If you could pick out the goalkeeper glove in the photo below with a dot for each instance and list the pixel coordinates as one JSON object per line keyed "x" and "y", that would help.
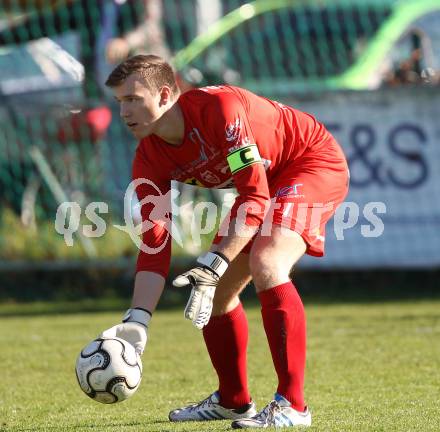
{"x": 133, "y": 328}
{"x": 203, "y": 280}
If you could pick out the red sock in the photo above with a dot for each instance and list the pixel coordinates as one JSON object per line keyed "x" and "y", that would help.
{"x": 226, "y": 338}
{"x": 285, "y": 326}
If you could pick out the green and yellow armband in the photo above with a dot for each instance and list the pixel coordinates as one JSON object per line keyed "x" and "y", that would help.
{"x": 243, "y": 157}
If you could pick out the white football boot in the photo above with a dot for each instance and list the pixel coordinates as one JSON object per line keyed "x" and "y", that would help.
{"x": 278, "y": 414}
{"x": 210, "y": 409}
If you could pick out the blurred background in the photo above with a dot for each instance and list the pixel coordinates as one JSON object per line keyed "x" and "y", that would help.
{"x": 368, "y": 69}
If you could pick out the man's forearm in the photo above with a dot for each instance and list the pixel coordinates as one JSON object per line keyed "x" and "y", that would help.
{"x": 238, "y": 237}
{"x": 148, "y": 288}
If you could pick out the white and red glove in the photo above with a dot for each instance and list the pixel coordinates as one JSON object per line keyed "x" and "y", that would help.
{"x": 203, "y": 280}
{"x": 133, "y": 328}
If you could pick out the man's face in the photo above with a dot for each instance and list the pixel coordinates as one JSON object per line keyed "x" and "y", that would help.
{"x": 139, "y": 108}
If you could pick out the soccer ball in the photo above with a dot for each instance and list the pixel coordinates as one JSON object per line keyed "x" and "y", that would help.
{"x": 109, "y": 370}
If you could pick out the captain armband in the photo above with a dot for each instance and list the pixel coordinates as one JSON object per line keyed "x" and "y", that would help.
{"x": 243, "y": 157}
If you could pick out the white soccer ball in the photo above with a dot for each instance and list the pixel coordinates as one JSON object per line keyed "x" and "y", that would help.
{"x": 109, "y": 370}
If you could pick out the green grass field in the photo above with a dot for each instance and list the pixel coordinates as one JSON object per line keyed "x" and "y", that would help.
{"x": 372, "y": 367}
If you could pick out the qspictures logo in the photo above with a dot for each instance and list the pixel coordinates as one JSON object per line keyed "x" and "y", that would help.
{"x": 163, "y": 212}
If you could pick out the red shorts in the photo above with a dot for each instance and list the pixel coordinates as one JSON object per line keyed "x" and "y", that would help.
{"x": 306, "y": 194}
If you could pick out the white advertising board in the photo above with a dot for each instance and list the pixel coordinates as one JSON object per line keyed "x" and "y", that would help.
{"x": 392, "y": 141}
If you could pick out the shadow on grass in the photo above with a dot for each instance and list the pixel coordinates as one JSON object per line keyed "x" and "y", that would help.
{"x": 154, "y": 425}
{"x": 317, "y": 287}
{"x": 80, "y": 427}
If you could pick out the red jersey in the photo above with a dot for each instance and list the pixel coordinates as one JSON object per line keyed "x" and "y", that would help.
{"x": 232, "y": 138}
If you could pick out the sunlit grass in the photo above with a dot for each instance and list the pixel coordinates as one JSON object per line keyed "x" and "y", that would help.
{"x": 370, "y": 367}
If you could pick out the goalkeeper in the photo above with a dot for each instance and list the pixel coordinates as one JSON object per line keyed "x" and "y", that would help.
{"x": 284, "y": 165}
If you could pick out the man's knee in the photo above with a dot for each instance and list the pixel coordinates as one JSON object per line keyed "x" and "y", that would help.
{"x": 265, "y": 268}
{"x": 231, "y": 284}
{"x": 222, "y": 306}
{"x": 226, "y": 297}
{"x": 272, "y": 257}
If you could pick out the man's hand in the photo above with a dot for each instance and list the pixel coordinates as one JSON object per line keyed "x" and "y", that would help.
{"x": 203, "y": 280}
{"x": 133, "y": 329}
{"x": 117, "y": 50}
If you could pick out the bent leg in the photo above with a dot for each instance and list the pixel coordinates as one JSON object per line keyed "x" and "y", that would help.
{"x": 231, "y": 284}
{"x": 226, "y": 335}
{"x": 283, "y": 315}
